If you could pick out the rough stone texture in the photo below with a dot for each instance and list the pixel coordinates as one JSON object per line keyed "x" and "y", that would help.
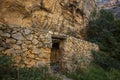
{"x": 64, "y": 16}
{"x": 107, "y": 4}
{"x": 77, "y": 53}
{"x": 36, "y": 50}
{"x": 28, "y": 29}
{"x": 25, "y": 51}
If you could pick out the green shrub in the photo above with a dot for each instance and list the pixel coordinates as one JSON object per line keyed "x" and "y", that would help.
{"x": 28, "y": 74}
{"x": 105, "y": 31}
{"x": 95, "y": 73}
{"x": 8, "y": 72}
{"x": 105, "y": 61}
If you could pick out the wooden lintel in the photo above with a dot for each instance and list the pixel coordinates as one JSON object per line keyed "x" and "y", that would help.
{"x": 59, "y": 37}
{"x": 56, "y": 40}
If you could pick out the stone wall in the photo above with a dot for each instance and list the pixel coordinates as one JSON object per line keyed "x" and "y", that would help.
{"x": 28, "y": 46}
{"x": 77, "y": 53}
{"x": 32, "y": 47}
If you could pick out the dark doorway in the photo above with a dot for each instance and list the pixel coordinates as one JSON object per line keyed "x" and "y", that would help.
{"x": 55, "y": 55}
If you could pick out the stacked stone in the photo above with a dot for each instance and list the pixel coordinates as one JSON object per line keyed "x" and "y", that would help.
{"x": 28, "y": 46}
{"x": 77, "y": 53}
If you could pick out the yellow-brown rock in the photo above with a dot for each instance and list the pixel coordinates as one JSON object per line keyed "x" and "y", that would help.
{"x": 65, "y": 16}
{"x": 42, "y": 32}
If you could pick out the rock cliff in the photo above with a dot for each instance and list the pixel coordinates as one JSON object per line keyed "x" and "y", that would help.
{"x": 46, "y": 32}
{"x": 107, "y": 4}
{"x": 64, "y": 16}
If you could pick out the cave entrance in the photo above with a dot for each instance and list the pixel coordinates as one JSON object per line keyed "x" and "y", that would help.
{"x": 56, "y": 54}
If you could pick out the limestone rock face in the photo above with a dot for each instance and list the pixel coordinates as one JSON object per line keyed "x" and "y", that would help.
{"x": 33, "y": 31}
{"x": 65, "y": 16}
{"x": 107, "y": 4}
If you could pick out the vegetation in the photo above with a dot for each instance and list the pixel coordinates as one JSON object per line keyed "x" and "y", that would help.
{"x": 104, "y": 30}
{"x": 95, "y": 73}
{"x": 8, "y": 72}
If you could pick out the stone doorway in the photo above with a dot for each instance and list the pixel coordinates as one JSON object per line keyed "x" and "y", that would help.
{"x": 56, "y": 55}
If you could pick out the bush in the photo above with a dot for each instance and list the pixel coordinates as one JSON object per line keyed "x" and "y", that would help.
{"x": 8, "y": 72}
{"x": 105, "y": 61}
{"x": 95, "y": 73}
{"x": 105, "y": 31}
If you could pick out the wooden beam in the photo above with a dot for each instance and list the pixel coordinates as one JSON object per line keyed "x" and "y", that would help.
{"x": 59, "y": 37}
{"x": 56, "y": 40}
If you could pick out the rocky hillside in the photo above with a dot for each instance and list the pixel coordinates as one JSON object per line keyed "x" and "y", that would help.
{"x": 64, "y": 16}
{"x": 107, "y": 4}
{"x": 116, "y": 11}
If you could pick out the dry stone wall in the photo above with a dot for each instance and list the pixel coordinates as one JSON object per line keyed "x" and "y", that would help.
{"x": 32, "y": 47}
{"x": 77, "y": 53}
{"x": 27, "y": 28}
{"x": 28, "y": 46}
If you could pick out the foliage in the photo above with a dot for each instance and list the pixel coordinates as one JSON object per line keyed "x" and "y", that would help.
{"x": 105, "y": 61}
{"x": 95, "y": 73}
{"x": 5, "y": 61}
{"x": 104, "y": 30}
{"x": 7, "y": 72}
{"x": 28, "y": 74}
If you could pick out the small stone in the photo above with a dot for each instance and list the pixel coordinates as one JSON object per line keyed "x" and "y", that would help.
{"x": 25, "y": 49}
{"x": 41, "y": 64}
{"x": 27, "y": 53}
{"x": 1, "y": 49}
{"x": 69, "y": 67}
{"x": 37, "y": 58}
{"x": 16, "y": 47}
{"x": 27, "y": 42}
{"x": 27, "y": 61}
{"x": 17, "y": 59}
{"x": 5, "y": 34}
{"x": 30, "y": 46}
{"x": 50, "y": 32}
{"x": 35, "y": 37}
{"x": 18, "y": 51}
{"x": 18, "y": 36}
{"x": 29, "y": 37}
{"x": 35, "y": 41}
{"x": 13, "y": 32}
{"x": 40, "y": 45}
{"x": 1, "y": 32}
{"x": 28, "y": 66}
{"x": 22, "y": 65}
{"x": 32, "y": 63}
{"x": 8, "y": 51}
{"x": 19, "y": 42}
{"x": 27, "y": 31}
{"x": 24, "y": 46}
{"x": 56, "y": 33}
{"x": 36, "y": 51}
{"x": 10, "y": 41}
{"x": 31, "y": 56}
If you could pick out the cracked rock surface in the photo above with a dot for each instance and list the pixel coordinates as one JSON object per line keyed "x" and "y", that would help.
{"x": 65, "y": 16}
